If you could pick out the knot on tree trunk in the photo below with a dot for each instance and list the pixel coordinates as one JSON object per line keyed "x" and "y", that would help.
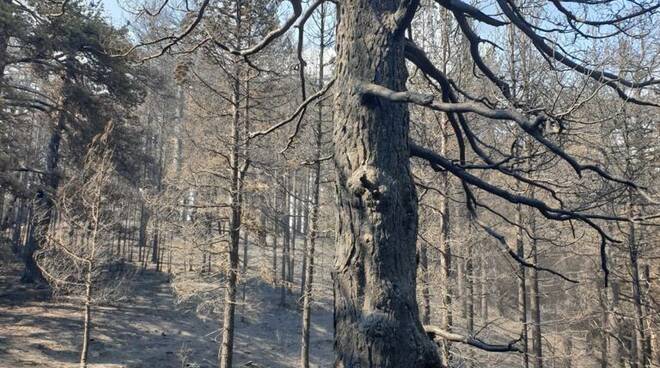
{"x": 369, "y": 185}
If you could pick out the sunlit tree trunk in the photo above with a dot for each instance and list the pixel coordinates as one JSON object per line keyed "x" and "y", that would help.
{"x": 376, "y": 315}
{"x": 535, "y": 297}
{"x": 315, "y": 195}
{"x": 236, "y": 186}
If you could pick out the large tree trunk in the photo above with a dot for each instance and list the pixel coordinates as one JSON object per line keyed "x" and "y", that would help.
{"x": 376, "y": 314}
{"x": 38, "y": 233}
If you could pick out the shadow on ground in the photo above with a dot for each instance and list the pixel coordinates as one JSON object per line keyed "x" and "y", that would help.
{"x": 148, "y": 329}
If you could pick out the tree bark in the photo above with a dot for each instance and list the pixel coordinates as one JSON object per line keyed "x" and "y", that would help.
{"x": 37, "y": 236}
{"x": 376, "y": 315}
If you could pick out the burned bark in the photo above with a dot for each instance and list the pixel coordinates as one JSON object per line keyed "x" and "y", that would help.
{"x": 376, "y": 315}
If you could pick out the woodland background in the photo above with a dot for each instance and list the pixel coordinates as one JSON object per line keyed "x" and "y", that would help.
{"x": 143, "y": 187}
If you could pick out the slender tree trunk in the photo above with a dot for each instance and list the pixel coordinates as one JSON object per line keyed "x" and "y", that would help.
{"x": 275, "y": 239}
{"x": 243, "y": 269}
{"x": 316, "y": 187}
{"x": 535, "y": 297}
{"x": 469, "y": 283}
{"x": 262, "y": 233}
{"x": 87, "y": 320}
{"x": 227, "y": 345}
{"x": 462, "y": 287}
{"x": 126, "y": 232}
{"x": 17, "y": 223}
{"x": 2, "y": 207}
{"x": 309, "y": 272}
{"x": 446, "y": 257}
{"x": 645, "y": 289}
{"x": 446, "y": 274}
{"x": 293, "y": 226}
{"x": 522, "y": 289}
{"x": 286, "y": 237}
{"x": 633, "y": 252}
{"x": 305, "y": 231}
{"x": 376, "y": 315}
{"x": 155, "y": 244}
{"x": 424, "y": 273}
{"x": 604, "y": 327}
{"x": 483, "y": 281}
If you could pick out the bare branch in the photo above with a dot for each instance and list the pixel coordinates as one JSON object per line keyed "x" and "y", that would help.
{"x": 436, "y": 332}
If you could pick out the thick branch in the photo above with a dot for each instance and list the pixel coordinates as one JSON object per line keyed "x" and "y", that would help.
{"x": 386, "y": 93}
{"x": 436, "y": 332}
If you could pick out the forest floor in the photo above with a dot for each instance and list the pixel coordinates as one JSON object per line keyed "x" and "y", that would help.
{"x": 148, "y": 328}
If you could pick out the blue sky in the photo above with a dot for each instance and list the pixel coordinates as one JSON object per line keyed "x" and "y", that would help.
{"x": 114, "y": 11}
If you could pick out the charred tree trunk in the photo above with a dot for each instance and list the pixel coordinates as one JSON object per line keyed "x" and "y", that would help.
{"x": 376, "y": 315}
{"x": 38, "y": 234}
